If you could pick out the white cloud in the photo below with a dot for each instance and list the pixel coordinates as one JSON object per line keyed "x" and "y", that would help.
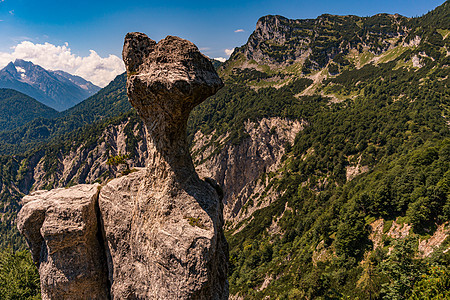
{"x": 99, "y": 70}
{"x": 229, "y": 51}
{"x": 11, "y": 12}
{"x": 239, "y": 30}
{"x": 221, "y": 59}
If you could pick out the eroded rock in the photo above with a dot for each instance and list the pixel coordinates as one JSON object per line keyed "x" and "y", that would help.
{"x": 163, "y": 225}
{"x": 165, "y": 82}
{"x": 160, "y": 227}
{"x": 60, "y": 227}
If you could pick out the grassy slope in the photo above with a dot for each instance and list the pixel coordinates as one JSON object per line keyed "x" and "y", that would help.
{"x": 394, "y": 122}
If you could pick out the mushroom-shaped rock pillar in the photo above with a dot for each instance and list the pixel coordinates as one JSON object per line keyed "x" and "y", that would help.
{"x": 166, "y": 80}
{"x": 163, "y": 225}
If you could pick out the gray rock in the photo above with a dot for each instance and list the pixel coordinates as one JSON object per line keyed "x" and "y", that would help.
{"x": 163, "y": 225}
{"x": 60, "y": 227}
{"x": 165, "y": 82}
{"x": 160, "y": 233}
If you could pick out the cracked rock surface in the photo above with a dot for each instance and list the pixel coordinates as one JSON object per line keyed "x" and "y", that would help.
{"x": 157, "y": 232}
{"x": 60, "y": 227}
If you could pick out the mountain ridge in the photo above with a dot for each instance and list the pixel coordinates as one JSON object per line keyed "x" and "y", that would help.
{"x": 56, "y": 89}
{"x": 16, "y": 109}
{"x": 108, "y": 102}
{"x": 358, "y": 200}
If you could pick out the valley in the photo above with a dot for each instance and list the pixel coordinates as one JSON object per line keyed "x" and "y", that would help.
{"x": 330, "y": 141}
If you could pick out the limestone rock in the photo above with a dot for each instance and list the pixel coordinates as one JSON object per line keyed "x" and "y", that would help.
{"x": 238, "y": 168}
{"x": 158, "y": 234}
{"x": 60, "y": 227}
{"x": 88, "y": 163}
{"x": 174, "y": 251}
{"x": 165, "y": 82}
{"x": 163, "y": 225}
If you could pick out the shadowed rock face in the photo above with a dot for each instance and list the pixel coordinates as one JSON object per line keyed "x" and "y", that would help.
{"x": 163, "y": 225}
{"x": 160, "y": 229}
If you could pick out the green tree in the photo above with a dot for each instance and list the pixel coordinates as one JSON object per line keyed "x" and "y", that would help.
{"x": 434, "y": 284}
{"x": 402, "y": 269}
{"x": 19, "y": 278}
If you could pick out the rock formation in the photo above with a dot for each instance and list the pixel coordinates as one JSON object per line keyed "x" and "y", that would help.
{"x": 161, "y": 226}
{"x": 167, "y": 230}
{"x": 60, "y": 227}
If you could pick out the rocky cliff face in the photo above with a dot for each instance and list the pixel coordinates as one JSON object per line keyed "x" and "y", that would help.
{"x": 89, "y": 163}
{"x": 314, "y": 42}
{"x": 239, "y": 167}
{"x": 61, "y": 229}
{"x": 161, "y": 227}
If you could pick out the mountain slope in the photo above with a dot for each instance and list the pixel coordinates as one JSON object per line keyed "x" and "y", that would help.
{"x": 57, "y": 90}
{"x": 108, "y": 102}
{"x": 88, "y": 86}
{"x": 16, "y": 109}
{"x": 363, "y": 191}
{"x": 335, "y": 171}
{"x": 311, "y": 44}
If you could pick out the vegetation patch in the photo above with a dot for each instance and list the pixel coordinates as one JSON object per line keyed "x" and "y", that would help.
{"x": 195, "y": 222}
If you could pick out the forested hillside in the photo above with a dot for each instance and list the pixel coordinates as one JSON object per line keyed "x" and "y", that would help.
{"x": 107, "y": 103}
{"x": 365, "y": 185}
{"x": 17, "y": 109}
{"x": 357, "y": 206}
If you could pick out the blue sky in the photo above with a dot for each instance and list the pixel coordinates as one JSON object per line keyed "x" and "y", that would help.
{"x": 211, "y": 25}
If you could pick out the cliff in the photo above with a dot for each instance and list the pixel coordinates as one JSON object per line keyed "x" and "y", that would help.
{"x": 314, "y": 42}
{"x": 156, "y": 232}
{"x": 367, "y": 176}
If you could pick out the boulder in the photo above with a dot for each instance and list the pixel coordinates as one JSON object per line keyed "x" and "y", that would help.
{"x": 60, "y": 227}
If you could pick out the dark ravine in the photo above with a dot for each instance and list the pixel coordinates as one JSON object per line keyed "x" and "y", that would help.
{"x": 161, "y": 225}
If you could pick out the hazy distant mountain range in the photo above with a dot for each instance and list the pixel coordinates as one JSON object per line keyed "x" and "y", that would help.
{"x": 56, "y": 89}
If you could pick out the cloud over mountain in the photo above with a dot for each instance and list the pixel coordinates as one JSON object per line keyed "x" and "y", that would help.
{"x": 97, "y": 69}
{"x": 221, "y": 59}
{"x": 229, "y": 51}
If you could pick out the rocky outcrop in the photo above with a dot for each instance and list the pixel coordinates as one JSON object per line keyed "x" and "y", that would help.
{"x": 60, "y": 227}
{"x": 313, "y": 43}
{"x": 278, "y": 30}
{"x": 173, "y": 234}
{"x": 239, "y": 168}
{"x": 88, "y": 163}
{"x": 161, "y": 226}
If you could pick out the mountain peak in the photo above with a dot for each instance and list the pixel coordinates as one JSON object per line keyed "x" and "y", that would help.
{"x": 56, "y": 89}
{"x": 313, "y": 43}
{"x": 19, "y": 61}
